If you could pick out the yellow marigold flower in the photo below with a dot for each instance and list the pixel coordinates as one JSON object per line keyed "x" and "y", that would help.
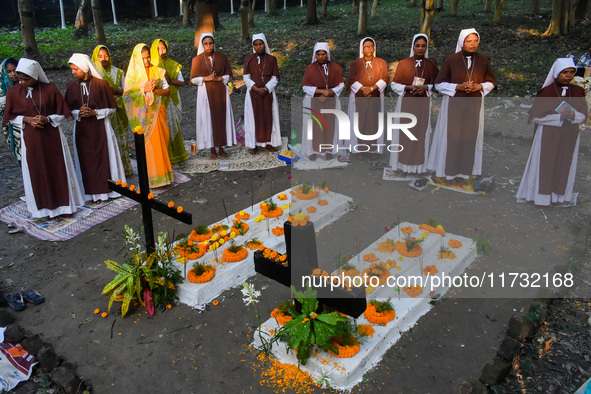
{"x": 222, "y": 241}
{"x": 214, "y": 237}
{"x": 257, "y": 219}
{"x": 232, "y": 234}
{"x": 224, "y": 233}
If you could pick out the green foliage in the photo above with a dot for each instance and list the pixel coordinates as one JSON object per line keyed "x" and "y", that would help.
{"x": 482, "y": 244}
{"x": 306, "y": 187}
{"x": 412, "y": 242}
{"x": 382, "y": 306}
{"x": 309, "y": 328}
{"x": 432, "y": 222}
{"x": 141, "y": 271}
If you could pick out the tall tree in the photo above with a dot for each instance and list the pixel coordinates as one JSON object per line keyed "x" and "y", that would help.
{"x": 362, "y": 25}
{"x": 355, "y": 10}
{"x": 186, "y": 13}
{"x": 251, "y": 4}
{"x": 563, "y": 17}
{"x": 488, "y": 5}
{"x": 83, "y": 18}
{"x": 97, "y": 15}
{"x": 311, "y": 17}
{"x": 498, "y": 8}
{"x": 324, "y": 12}
{"x": 204, "y": 22}
{"x": 271, "y": 7}
{"x": 535, "y": 9}
{"x": 244, "y": 14}
{"x": 428, "y": 13}
{"x": 581, "y": 10}
{"x": 25, "y": 10}
{"x": 454, "y": 7}
{"x": 374, "y": 8}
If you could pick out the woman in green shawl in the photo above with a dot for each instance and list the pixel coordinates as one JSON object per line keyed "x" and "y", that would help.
{"x": 101, "y": 57}
{"x": 174, "y": 77}
{"x": 11, "y": 132}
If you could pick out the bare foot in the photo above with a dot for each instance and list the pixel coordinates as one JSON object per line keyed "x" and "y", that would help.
{"x": 213, "y": 155}
{"x": 223, "y": 154}
{"x": 271, "y": 149}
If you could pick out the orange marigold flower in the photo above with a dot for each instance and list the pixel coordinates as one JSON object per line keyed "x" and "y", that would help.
{"x": 104, "y": 314}
{"x": 118, "y": 182}
{"x": 215, "y": 302}
{"x": 97, "y": 311}
{"x": 311, "y": 209}
{"x": 132, "y": 187}
{"x": 168, "y": 306}
{"x": 138, "y": 191}
{"x": 138, "y": 130}
{"x": 170, "y": 204}
{"x": 124, "y": 184}
{"x": 179, "y": 209}
{"x": 150, "y": 196}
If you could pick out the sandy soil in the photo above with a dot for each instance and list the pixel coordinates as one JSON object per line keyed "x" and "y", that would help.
{"x": 142, "y": 353}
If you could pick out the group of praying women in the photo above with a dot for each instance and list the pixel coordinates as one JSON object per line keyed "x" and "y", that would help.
{"x": 105, "y": 103}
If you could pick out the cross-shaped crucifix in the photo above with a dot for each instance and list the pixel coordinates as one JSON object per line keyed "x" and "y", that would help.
{"x": 142, "y": 197}
{"x": 302, "y": 259}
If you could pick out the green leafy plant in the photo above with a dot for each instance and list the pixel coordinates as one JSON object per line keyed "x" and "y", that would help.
{"x": 202, "y": 229}
{"x": 309, "y": 328}
{"x": 148, "y": 279}
{"x": 382, "y": 306}
{"x": 481, "y": 240}
{"x": 412, "y": 242}
{"x": 306, "y": 187}
{"x": 432, "y": 222}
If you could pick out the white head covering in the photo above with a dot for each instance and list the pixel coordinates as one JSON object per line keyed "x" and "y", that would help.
{"x": 200, "y": 49}
{"x": 463, "y": 34}
{"x": 412, "y": 44}
{"x": 84, "y": 63}
{"x": 260, "y": 36}
{"x": 321, "y": 46}
{"x": 559, "y": 65}
{"x": 361, "y": 46}
{"x": 31, "y": 68}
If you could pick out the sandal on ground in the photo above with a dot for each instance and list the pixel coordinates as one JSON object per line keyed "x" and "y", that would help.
{"x": 15, "y": 301}
{"x": 344, "y": 159}
{"x": 33, "y": 297}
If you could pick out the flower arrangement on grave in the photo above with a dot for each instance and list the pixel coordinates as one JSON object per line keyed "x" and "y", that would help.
{"x": 311, "y": 209}
{"x": 435, "y": 230}
{"x": 282, "y": 196}
{"x": 218, "y": 228}
{"x": 278, "y": 231}
{"x": 322, "y": 187}
{"x": 413, "y": 291}
{"x": 200, "y": 233}
{"x": 189, "y": 249}
{"x": 239, "y": 227}
{"x": 388, "y": 246}
{"x": 242, "y": 215}
{"x": 270, "y": 210}
{"x": 406, "y": 230}
{"x": 310, "y": 328}
{"x": 322, "y": 202}
{"x": 379, "y": 312}
{"x": 253, "y": 244}
{"x": 445, "y": 253}
{"x": 411, "y": 247}
{"x": 201, "y": 273}
{"x": 148, "y": 279}
{"x": 273, "y": 255}
{"x": 281, "y": 313}
{"x": 430, "y": 270}
{"x": 349, "y": 270}
{"x": 346, "y": 346}
{"x": 381, "y": 271}
{"x": 306, "y": 192}
{"x": 370, "y": 257}
{"x": 299, "y": 219}
{"x": 234, "y": 253}
{"x": 366, "y": 330}
{"x": 454, "y": 243}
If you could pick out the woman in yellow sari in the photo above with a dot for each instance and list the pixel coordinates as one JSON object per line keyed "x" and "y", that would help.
{"x": 145, "y": 84}
{"x": 174, "y": 77}
{"x": 101, "y": 57}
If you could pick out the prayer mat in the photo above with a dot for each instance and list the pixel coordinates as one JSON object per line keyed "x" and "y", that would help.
{"x": 456, "y": 187}
{"x": 16, "y": 215}
{"x": 16, "y": 364}
{"x": 239, "y": 159}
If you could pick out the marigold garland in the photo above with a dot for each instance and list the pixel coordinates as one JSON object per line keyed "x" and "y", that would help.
{"x": 196, "y": 237}
{"x": 278, "y": 211}
{"x": 305, "y": 196}
{"x": 191, "y": 254}
{"x": 242, "y": 215}
{"x": 375, "y": 317}
{"x": 413, "y": 291}
{"x": 230, "y": 256}
{"x": 432, "y": 229}
{"x": 204, "y": 277}
{"x": 454, "y": 243}
{"x": 415, "y": 252}
{"x": 430, "y": 270}
{"x": 253, "y": 244}
{"x": 344, "y": 351}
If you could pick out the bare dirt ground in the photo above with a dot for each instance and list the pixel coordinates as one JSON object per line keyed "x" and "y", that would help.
{"x": 452, "y": 342}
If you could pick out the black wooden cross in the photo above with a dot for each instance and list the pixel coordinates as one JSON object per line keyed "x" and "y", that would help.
{"x": 147, "y": 203}
{"x": 302, "y": 259}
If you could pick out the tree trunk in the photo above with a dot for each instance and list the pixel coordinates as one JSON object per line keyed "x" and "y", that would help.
{"x": 82, "y": 19}
{"x": 25, "y": 10}
{"x": 374, "y": 8}
{"x": 204, "y": 19}
{"x": 153, "y": 8}
{"x": 454, "y": 7}
{"x": 498, "y": 8}
{"x": 581, "y": 10}
{"x": 271, "y": 7}
{"x": 572, "y": 5}
{"x": 216, "y": 18}
{"x": 430, "y": 11}
{"x": 251, "y": 13}
{"x": 488, "y": 6}
{"x": 362, "y": 25}
{"x": 97, "y": 15}
{"x": 413, "y": 3}
{"x": 324, "y": 12}
{"x": 562, "y": 17}
{"x": 244, "y": 12}
{"x": 186, "y": 13}
{"x": 422, "y": 12}
{"x": 311, "y": 17}
{"x": 355, "y": 7}
{"x": 535, "y": 9}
